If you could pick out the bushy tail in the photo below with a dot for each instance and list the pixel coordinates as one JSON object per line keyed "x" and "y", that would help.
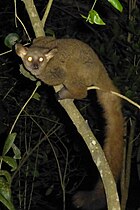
{"x": 113, "y": 148}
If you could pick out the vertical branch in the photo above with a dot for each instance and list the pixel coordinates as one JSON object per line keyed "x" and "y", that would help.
{"x": 34, "y": 17}
{"x": 96, "y": 153}
{"x": 127, "y": 168}
{"x": 47, "y": 12}
{"x": 131, "y": 6}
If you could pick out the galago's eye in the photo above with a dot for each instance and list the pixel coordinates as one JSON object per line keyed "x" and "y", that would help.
{"x": 41, "y": 59}
{"x": 30, "y": 58}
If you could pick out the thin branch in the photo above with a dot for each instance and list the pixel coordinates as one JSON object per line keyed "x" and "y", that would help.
{"x": 117, "y": 94}
{"x": 127, "y": 172}
{"x": 34, "y": 18}
{"x": 16, "y": 17}
{"x": 37, "y": 85}
{"x": 47, "y": 12}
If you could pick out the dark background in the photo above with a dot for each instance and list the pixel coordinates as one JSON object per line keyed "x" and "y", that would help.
{"x": 37, "y": 184}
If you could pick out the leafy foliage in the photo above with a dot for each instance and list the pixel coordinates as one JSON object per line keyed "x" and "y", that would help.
{"x": 94, "y": 17}
{"x": 11, "y": 39}
{"x": 116, "y": 4}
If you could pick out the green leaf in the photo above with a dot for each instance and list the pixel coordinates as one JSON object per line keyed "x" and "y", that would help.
{"x": 116, "y": 4}
{"x": 17, "y": 153}
{"x": 26, "y": 73}
{"x": 94, "y": 17}
{"x": 49, "y": 190}
{"x": 6, "y": 203}
{"x": 5, "y": 189}
{"x": 11, "y": 39}
{"x": 7, "y": 175}
{"x": 8, "y": 143}
{"x": 50, "y": 32}
{"x": 37, "y": 96}
{"x": 11, "y": 162}
{"x": 83, "y": 16}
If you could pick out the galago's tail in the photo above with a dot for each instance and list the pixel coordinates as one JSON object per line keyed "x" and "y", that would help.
{"x": 113, "y": 148}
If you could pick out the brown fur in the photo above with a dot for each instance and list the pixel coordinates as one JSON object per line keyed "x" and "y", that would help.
{"x": 75, "y": 65}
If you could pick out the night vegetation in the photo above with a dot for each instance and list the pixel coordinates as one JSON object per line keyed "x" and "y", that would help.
{"x": 44, "y": 160}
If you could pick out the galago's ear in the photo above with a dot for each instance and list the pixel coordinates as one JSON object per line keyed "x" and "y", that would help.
{"x": 21, "y": 51}
{"x": 51, "y": 54}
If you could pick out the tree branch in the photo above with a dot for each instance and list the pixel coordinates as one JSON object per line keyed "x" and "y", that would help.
{"x": 34, "y": 18}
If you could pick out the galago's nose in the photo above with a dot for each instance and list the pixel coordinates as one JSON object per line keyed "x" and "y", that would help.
{"x": 35, "y": 66}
